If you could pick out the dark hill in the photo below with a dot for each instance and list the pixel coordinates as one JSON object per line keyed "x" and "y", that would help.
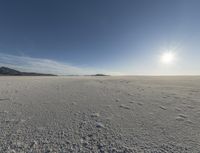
{"x": 11, "y": 72}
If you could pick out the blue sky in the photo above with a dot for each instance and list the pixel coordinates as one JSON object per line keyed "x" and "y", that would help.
{"x": 106, "y": 36}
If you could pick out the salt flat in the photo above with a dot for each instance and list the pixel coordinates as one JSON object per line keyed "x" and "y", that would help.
{"x": 100, "y": 114}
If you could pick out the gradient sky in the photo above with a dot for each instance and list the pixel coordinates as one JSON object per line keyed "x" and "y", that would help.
{"x": 100, "y": 36}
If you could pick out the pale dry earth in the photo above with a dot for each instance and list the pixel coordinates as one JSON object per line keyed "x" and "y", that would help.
{"x": 100, "y": 114}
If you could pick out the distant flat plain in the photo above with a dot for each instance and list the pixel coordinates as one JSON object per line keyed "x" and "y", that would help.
{"x": 100, "y": 114}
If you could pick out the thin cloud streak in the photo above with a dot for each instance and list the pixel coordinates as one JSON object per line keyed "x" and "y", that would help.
{"x": 39, "y": 65}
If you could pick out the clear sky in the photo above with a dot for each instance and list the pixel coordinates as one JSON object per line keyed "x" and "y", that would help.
{"x": 100, "y": 36}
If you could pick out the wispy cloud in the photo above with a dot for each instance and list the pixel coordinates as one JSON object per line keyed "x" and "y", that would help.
{"x": 29, "y": 64}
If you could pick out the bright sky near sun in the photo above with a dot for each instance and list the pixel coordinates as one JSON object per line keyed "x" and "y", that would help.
{"x": 130, "y": 37}
{"x": 168, "y": 57}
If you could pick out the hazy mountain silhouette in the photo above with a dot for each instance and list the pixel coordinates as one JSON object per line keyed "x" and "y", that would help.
{"x": 11, "y": 72}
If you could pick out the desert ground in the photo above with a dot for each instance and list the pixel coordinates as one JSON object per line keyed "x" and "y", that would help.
{"x": 100, "y": 114}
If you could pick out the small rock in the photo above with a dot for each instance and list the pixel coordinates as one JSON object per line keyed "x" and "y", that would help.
{"x": 12, "y": 151}
{"x": 84, "y": 143}
{"x": 22, "y": 120}
{"x": 100, "y": 146}
{"x": 33, "y": 144}
{"x": 95, "y": 115}
{"x": 99, "y": 125}
{"x": 41, "y": 128}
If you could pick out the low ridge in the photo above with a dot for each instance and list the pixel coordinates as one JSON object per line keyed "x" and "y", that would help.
{"x": 11, "y": 72}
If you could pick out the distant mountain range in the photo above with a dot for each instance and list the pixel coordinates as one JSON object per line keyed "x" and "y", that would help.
{"x": 100, "y": 75}
{"x": 11, "y": 72}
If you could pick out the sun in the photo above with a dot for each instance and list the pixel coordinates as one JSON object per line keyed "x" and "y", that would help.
{"x": 167, "y": 57}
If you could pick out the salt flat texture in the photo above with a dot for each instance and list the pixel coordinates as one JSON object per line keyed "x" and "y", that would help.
{"x": 100, "y": 114}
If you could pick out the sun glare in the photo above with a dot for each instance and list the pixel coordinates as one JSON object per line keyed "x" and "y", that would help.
{"x": 168, "y": 57}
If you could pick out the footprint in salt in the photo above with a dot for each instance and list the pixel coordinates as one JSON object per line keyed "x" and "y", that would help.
{"x": 74, "y": 103}
{"x": 124, "y": 106}
{"x": 139, "y": 103}
{"x": 151, "y": 113}
{"x": 117, "y": 100}
{"x": 108, "y": 106}
{"x": 2, "y": 99}
{"x": 178, "y": 109}
{"x": 181, "y": 117}
{"x": 189, "y": 122}
{"x": 191, "y": 107}
{"x": 163, "y": 107}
